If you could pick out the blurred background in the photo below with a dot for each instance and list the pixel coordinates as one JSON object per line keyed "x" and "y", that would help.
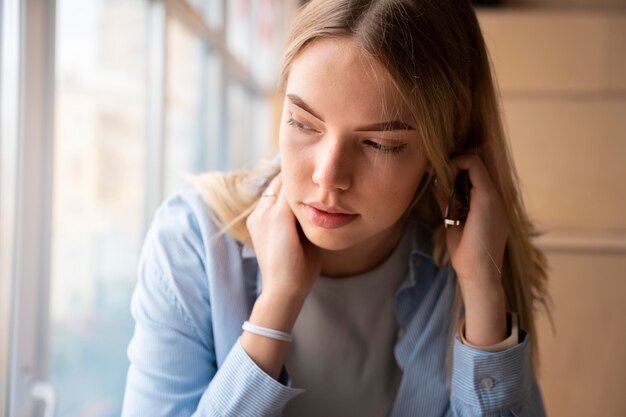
{"x": 105, "y": 104}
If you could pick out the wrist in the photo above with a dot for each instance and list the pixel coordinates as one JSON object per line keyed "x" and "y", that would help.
{"x": 274, "y": 314}
{"x": 276, "y": 311}
{"x": 485, "y": 314}
{"x": 480, "y": 278}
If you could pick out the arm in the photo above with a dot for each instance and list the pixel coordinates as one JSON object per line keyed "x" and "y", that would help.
{"x": 498, "y": 383}
{"x": 501, "y": 382}
{"x": 173, "y": 370}
{"x": 289, "y": 265}
{"x": 494, "y": 383}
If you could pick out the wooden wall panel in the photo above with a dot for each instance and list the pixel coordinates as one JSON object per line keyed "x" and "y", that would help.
{"x": 587, "y": 4}
{"x": 583, "y": 370}
{"x": 556, "y": 51}
{"x": 562, "y": 74}
{"x": 571, "y": 158}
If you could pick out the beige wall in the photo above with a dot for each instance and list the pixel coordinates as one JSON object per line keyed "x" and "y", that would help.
{"x": 570, "y": 3}
{"x": 562, "y": 75}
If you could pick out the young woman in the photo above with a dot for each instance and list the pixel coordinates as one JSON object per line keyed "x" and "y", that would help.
{"x": 347, "y": 278}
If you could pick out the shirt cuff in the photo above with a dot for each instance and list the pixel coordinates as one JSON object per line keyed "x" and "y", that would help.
{"x": 510, "y": 341}
{"x": 486, "y": 382}
{"x": 243, "y": 389}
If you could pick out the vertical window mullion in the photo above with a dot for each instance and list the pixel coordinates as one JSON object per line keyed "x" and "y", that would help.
{"x": 224, "y": 149}
{"x": 33, "y": 193}
{"x": 9, "y": 152}
{"x": 155, "y": 146}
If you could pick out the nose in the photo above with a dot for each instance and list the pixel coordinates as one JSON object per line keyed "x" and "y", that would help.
{"x": 333, "y": 166}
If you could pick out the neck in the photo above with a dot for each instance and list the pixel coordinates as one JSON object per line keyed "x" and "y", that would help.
{"x": 363, "y": 257}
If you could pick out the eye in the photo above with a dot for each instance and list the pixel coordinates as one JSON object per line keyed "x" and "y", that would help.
{"x": 379, "y": 147}
{"x": 300, "y": 126}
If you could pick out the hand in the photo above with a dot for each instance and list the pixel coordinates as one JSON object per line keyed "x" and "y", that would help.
{"x": 477, "y": 252}
{"x": 289, "y": 263}
{"x": 477, "y": 247}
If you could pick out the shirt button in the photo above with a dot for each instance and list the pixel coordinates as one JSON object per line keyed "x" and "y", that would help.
{"x": 487, "y": 382}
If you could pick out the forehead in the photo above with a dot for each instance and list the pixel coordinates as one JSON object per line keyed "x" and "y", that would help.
{"x": 335, "y": 75}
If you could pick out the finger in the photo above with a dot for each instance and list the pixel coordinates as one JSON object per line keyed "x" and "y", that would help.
{"x": 477, "y": 171}
{"x": 264, "y": 204}
{"x": 281, "y": 198}
{"x": 275, "y": 185}
{"x": 272, "y": 192}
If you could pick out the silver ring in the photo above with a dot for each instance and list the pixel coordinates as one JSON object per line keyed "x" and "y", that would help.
{"x": 269, "y": 194}
{"x": 452, "y": 222}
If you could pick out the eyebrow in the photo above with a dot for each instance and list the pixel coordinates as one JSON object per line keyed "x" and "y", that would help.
{"x": 386, "y": 126}
{"x": 300, "y": 103}
{"x": 375, "y": 127}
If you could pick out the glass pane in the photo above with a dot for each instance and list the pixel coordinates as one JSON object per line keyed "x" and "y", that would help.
{"x": 265, "y": 134}
{"x": 240, "y": 142}
{"x": 98, "y": 199}
{"x": 249, "y": 126}
{"x": 192, "y": 117}
{"x": 213, "y": 97}
{"x": 256, "y": 36}
{"x": 212, "y": 10}
{"x": 267, "y": 41}
{"x": 240, "y": 30}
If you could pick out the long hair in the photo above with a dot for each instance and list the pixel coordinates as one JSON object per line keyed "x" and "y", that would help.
{"x": 436, "y": 56}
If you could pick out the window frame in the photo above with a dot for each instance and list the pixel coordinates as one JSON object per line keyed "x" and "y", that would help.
{"x": 28, "y": 46}
{"x": 9, "y": 65}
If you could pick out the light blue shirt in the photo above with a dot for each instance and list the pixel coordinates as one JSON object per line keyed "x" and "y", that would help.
{"x": 196, "y": 288}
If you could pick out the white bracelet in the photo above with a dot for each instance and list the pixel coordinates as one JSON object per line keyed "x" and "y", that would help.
{"x": 264, "y": 331}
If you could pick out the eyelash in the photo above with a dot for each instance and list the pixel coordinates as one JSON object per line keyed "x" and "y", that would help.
{"x": 386, "y": 149}
{"x": 300, "y": 126}
{"x": 377, "y": 146}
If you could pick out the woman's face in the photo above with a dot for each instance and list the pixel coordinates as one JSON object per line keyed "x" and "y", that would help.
{"x": 351, "y": 157}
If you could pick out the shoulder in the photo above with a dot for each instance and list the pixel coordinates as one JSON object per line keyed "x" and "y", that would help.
{"x": 184, "y": 247}
{"x": 183, "y": 243}
{"x": 182, "y": 232}
{"x": 182, "y": 214}
{"x": 183, "y": 256}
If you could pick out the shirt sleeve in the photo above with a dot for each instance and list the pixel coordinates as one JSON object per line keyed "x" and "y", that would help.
{"x": 498, "y": 383}
{"x": 173, "y": 370}
{"x": 241, "y": 388}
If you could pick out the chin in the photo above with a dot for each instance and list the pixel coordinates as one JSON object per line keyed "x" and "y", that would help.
{"x": 332, "y": 240}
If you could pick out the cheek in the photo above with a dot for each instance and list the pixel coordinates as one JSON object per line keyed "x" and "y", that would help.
{"x": 294, "y": 158}
{"x": 399, "y": 199}
{"x": 399, "y": 193}
{"x": 380, "y": 199}
{"x": 292, "y": 173}
{"x": 287, "y": 147}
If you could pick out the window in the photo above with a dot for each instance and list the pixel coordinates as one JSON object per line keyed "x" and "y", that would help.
{"x": 190, "y": 126}
{"x": 126, "y": 124}
{"x": 98, "y": 197}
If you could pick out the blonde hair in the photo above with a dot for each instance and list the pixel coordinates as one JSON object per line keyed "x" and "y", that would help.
{"x": 437, "y": 59}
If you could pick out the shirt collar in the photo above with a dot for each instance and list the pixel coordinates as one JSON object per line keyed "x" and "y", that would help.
{"x": 247, "y": 252}
{"x": 422, "y": 242}
{"x": 421, "y": 249}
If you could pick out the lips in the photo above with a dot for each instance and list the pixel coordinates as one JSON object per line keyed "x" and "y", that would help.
{"x": 328, "y": 217}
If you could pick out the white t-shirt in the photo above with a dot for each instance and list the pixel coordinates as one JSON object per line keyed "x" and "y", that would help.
{"x": 342, "y": 352}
